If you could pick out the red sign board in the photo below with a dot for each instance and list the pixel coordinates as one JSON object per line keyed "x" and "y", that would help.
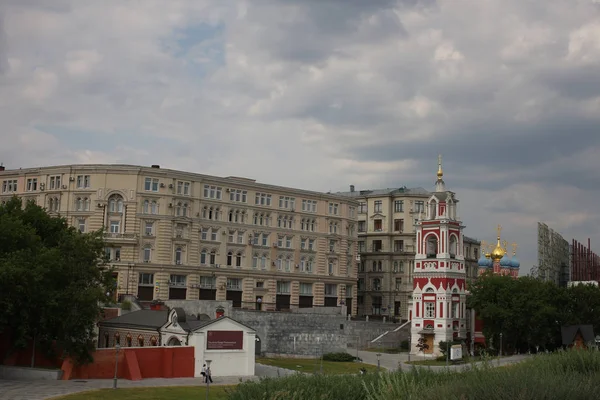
{"x": 225, "y": 340}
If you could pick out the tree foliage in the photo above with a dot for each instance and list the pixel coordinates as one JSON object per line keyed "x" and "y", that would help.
{"x": 52, "y": 280}
{"x": 529, "y": 312}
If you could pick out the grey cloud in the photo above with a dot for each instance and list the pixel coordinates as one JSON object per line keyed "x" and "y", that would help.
{"x": 3, "y": 46}
{"x": 577, "y": 83}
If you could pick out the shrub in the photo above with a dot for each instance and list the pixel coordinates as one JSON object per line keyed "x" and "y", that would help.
{"x": 126, "y": 305}
{"x": 404, "y": 345}
{"x": 338, "y": 357}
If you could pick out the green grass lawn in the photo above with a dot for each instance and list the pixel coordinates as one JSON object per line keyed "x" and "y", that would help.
{"x": 390, "y": 350}
{"x": 153, "y": 393}
{"x": 311, "y": 365}
{"x": 436, "y": 363}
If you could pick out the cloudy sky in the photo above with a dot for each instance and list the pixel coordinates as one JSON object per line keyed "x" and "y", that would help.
{"x": 321, "y": 94}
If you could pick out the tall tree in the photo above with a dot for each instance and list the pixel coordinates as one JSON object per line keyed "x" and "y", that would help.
{"x": 52, "y": 280}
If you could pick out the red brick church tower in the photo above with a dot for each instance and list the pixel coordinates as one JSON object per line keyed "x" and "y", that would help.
{"x": 438, "y": 302}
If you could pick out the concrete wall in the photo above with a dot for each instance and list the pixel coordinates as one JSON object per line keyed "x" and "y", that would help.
{"x": 295, "y": 333}
{"x": 23, "y": 373}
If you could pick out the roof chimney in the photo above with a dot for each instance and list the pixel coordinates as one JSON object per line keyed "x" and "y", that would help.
{"x": 2, "y": 167}
{"x": 351, "y": 188}
{"x": 155, "y": 166}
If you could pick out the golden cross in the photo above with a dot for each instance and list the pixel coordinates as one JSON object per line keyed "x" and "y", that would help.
{"x": 439, "y": 161}
{"x": 499, "y": 229}
{"x": 514, "y": 248}
{"x": 504, "y": 244}
{"x": 483, "y": 244}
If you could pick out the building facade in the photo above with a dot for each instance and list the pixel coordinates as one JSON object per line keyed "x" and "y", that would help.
{"x": 179, "y": 235}
{"x": 386, "y": 244}
{"x": 471, "y": 251}
{"x": 585, "y": 264}
{"x": 438, "y": 311}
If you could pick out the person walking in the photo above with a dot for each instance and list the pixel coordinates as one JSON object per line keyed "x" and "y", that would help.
{"x": 203, "y": 373}
{"x": 208, "y": 375}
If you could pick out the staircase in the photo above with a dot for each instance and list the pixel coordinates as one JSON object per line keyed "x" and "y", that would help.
{"x": 392, "y": 338}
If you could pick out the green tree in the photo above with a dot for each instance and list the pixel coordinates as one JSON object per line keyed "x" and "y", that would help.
{"x": 52, "y": 281}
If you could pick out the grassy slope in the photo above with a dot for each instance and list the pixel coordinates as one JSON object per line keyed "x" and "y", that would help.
{"x": 154, "y": 393}
{"x": 311, "y": 365}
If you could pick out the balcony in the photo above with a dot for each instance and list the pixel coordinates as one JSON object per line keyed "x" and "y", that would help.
{"x": 121, "y": 237}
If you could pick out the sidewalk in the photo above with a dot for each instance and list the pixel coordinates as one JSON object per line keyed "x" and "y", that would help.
{"x": 40, "y": 390}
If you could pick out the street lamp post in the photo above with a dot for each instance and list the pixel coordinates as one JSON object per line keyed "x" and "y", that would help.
{"x": 117, "y": 348}
{"x": 378, "y": 362}
{"x": 447, "y": 353}
{"x": 207, "y": 378}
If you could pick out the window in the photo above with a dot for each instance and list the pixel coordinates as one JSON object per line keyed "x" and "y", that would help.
{"x": 238, "y": 260}
{"x": 332, "y": 244}
{"x": 399, "y": 225}
{"x": 81, "y": 225}
{"x": 399, "y": 206}
{"x": 378, "y": 225}
{"x": 53, "y": 204}
{"x": 419, "y": 206}
{"x": 351, "y": 212}
{"x": 145, "y": 278}
{"x": 331, "y": 267}
{"x": 454, "y": 310}
{"x": 238, "y": 195}
{"x": 9, "y": 186}
{"x": 376, "y": 284}
{"x": 333, "y": 227}
{"x": 212, "y": 192}
{"x": 476, "y": 253}
{"x": 177, "y": 280}
{"x": 362, "y": 246}
{"x": 285, "y": 222}
{"x": 398, "y": 245}
{"x": 83, "y": 181}
{"x": 262, "y": 219}
{"x": 32, "y": 184}
{"x": 287, "y": 202}
{"x": 151, "y": 184}
{"x": 283, "y": 287}
{"x": 285, "y": 242}
{"x": 117, "y": 338}
{"x": 430, "y": 310}
{"x": 377, "y": 206}
{"x": 333, "y": 208}
{"x": 362, "y": 208}
{"x": 331, "y": 289}
{"x": 148, "y": 228}
{"x": 236, "y": 216}
{"x": 362, "y": 226}
{"x": 211, "y": 213}
{"x": 150, "y": 207}
{"x": 398, "y": 284}
{"x": 55, "y": 182}
{"x": 213, "y": 234}
{"x": 140, "y": 341}
{"x": 377, "y": 245}
{"x": 82, "y": 204}
{"x": 147, "y": 254}
{"x": 115, "y": 226}
{"x": 361, "y": 284}
{"x": 398, "y": 266}
{"x": 306, "y": 264}
{"x": 262, "y": 199}
{"x": 309, "y": 206}
{"x": 234, "y": 284}
{"x": 115, "y": 204}
{"x": 183, "y": 188}
{"x": 203, "y": 257}
{"x": 305, "y": 289}
{"x": 181, "y": 209}
{"x": 178, "y": 256}
{"x": 113, "y": 253}
{"x": 307, "y": 224}
{"x": 207, "y": 281}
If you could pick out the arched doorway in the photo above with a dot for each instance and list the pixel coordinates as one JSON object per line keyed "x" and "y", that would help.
{"x": 257, "y": 346}
{"x": 174, "y": 342}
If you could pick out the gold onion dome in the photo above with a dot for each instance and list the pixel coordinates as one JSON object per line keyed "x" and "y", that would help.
{"x": 498, "y": 252}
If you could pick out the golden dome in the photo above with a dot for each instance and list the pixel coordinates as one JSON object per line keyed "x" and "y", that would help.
{"x": 498, "y": 252}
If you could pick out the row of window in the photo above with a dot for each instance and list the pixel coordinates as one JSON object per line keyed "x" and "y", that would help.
{"x": 379, "y": 266}
{"x": 54, "y": 183}
{"x": 378, "y": 225}
{"x": 215, "y": 192}
{"x": 376, "y": 284}
{"x": 419, "y": 206}
{"x": 128, "y": 340}
{"x": 377, "y": 245}
{"x": 209, "y": 282}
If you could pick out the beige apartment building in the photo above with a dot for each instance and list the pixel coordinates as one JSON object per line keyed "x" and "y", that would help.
{"x": 472, "y": 252}
{"x": 386, "y": 240}
{"x": 179, "y": 235}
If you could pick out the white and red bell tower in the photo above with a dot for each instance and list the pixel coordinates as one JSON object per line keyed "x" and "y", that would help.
{"x": 438, "y": 309}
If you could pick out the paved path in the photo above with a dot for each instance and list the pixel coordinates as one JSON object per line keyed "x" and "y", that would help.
{"x": 392, "y": 361}
{"x": 40, "y": 390}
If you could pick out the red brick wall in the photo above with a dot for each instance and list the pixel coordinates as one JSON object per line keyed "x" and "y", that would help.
{"x": 136, "y": 363}
{"x": 22, "y": 357}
